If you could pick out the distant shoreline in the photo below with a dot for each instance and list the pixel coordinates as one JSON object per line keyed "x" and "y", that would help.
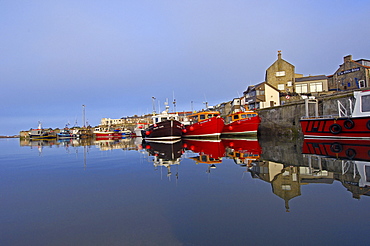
{"x": 14, "y": 136}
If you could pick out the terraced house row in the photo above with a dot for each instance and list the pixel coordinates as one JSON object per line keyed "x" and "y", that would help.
{"x": 282, "y": 84}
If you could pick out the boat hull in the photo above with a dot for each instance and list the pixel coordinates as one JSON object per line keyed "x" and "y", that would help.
{"x": 210, "y": 128}
{"x": 164, "y": 130}
{"x": 107, "y": 135}
{"x": 248, "y": 126}
{"x": 341, "y": 127}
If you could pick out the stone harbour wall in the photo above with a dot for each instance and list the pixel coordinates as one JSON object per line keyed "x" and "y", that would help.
{"x": 284, "y": 120}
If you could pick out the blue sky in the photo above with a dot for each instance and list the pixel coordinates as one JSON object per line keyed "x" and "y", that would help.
{"x": 114, "y": 56}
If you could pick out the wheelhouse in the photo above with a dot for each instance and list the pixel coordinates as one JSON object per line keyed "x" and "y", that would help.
{"x": 239, "y": 116}
{"x": 200, "y": 116}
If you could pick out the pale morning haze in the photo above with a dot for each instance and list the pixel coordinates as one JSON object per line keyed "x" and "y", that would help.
{"x": 114, "y": 56}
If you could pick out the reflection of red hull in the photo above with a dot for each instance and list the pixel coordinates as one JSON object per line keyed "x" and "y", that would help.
{"x": 344, "y": 127}
{"x": 248, "y": 126}
{"x": 242, "y": 145}
{"x": 338, "y": 148}
{"x": 211, "y": 127}
{"x": 214, "y": 149}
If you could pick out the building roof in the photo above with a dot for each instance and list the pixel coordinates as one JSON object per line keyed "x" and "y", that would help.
{"x": 311, "y": 78}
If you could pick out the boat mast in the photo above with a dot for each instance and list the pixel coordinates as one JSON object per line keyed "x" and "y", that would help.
{"x": 83, "y": 115}
{"x": 153, "y": 102}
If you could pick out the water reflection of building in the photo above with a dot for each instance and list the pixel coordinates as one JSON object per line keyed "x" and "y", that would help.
{"x": 320, "y": 161}
{"x": 286, "y": 181}
{"x": 120, "y": 143}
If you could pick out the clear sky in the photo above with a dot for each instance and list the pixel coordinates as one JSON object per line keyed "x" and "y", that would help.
{"x": 114, "y": 56}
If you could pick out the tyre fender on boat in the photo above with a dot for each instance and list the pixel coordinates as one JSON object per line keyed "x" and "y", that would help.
{"x": 336, "y": 147}
{"x": 351, "y": 153}
{"x": 349, "y": 124}
{"x": 368, "y": 125}
{"x": 335, "y": 128}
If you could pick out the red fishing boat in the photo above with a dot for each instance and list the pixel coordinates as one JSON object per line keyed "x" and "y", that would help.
{"x": 355, "y": 124}
{"x": 106, "y": 133}
{"x": 204, "y": 124}
{"x": 241, "y": 123}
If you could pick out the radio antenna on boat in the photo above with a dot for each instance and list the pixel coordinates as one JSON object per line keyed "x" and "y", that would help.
{"x": 153, "y": 102}
{"x": 206, "y": 102}
{"x": 174, "y": 102}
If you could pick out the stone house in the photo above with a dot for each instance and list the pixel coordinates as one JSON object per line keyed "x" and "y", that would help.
{"x": 350, "y": 75}
{"x": 281, "y": 75}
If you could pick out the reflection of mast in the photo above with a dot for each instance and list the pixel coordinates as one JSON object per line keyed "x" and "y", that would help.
{"x": 85, "y": 150}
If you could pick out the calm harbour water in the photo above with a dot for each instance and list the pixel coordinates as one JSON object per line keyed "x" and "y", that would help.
{"x": 230, "y": 192}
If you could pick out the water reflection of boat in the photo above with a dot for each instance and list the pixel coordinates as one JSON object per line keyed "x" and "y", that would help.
{"x": 339, "y": 148}
{"x": 243, "y": 151}
{"x": 115, "y": 143}
{"x": 354, "y": 124}
{"x": 165, "y": 155}
{"x": 353, "y": 155}
{"x": 208, "y": 151}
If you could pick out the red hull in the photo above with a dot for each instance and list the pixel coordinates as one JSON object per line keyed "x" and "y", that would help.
{"x": 211, "y": 127}
{"x": 355, "y": 127}
{"x": 248, "y": 126}
{"x": 108, "y": 135}
{"x": 339, "y": 148}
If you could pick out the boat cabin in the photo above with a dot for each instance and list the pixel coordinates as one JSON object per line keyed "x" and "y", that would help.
{"x": 362, "y": 104}
{"x": 200, "y": 116}
{"x": 239, "y": 116}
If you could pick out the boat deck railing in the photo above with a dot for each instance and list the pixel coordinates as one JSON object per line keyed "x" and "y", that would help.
{"x": 321, "y": 117}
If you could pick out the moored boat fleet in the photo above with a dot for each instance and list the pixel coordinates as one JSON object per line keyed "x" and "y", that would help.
{"x": 203, "y": 124}
{"x": 349, "y": 123}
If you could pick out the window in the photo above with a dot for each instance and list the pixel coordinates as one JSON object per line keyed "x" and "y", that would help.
{"x": 365, "y": 103}
{"x": 281, "y": 87}
{"x": 316, "y": 87}
{"x": 361, "y": 84}
{"x": 289, "y": 83}
{"x": 301, "y": 88}
{"x": 202, "y": 117}
{"x": 280, "y": 74}
{"x": 286, "y": 187}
